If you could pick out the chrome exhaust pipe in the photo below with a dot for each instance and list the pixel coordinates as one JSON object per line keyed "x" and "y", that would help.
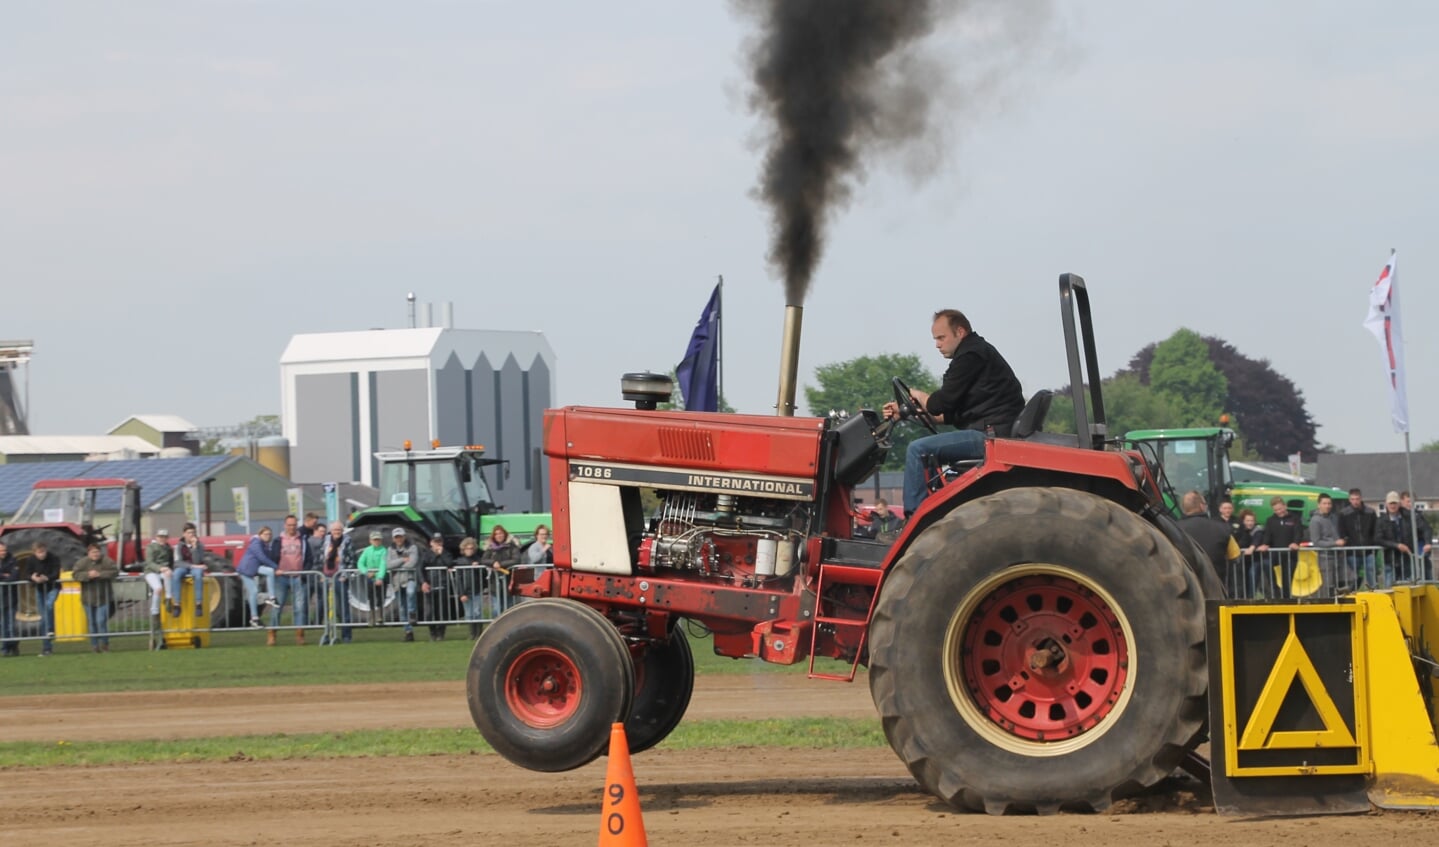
{"x": 789, "y": 360}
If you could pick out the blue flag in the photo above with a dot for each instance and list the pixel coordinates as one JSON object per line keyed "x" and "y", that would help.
{"x": 698, "y": 372}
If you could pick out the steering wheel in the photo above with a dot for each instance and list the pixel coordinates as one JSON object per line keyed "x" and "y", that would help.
{"x": 910, "y": 409}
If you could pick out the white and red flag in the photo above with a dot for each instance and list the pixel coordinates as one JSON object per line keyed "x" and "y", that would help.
{"x": 1383, "y": 321}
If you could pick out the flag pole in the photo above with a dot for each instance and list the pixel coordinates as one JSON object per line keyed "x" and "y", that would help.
{"x": 719, "y": 347}
{"x": 1413, "y": 504}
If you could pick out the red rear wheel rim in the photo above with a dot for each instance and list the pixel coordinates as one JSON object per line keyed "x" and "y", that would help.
{"x": 543, "y": 687}
{"x": 1044, "y": 658}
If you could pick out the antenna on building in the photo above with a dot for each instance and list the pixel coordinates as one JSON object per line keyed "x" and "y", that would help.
{"x": 410, "y": 299}
{"x": 427, "y": 315}
{"x": 14, "y": 409}
{"x": 447, "y": 315}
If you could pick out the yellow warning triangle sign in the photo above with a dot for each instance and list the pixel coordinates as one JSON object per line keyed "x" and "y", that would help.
{"x": 1294, "y": 662}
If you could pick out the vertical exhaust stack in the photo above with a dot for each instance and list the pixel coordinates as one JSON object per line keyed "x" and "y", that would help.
{"x": 789, "y": 360}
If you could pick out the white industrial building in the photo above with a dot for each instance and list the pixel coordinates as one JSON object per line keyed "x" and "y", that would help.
{"x": 347, "y": 395}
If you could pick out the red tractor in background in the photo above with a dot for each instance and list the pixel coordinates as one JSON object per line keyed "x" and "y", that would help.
{"x": 1035, "y": 636}
{"x": 62, "y": 512}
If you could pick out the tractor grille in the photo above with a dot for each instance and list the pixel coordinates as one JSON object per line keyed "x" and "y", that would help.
{"x": 692, "y": 445}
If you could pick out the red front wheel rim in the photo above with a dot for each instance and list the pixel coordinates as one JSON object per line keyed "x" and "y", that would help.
{"x": 543, "y": 687}
{"x": 1044, "y": 658}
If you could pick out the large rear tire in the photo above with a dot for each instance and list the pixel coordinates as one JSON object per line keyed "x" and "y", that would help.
{"x": 664, "y": 681}
{"x": 547, "y": 681}
{"x": 1039, "y": 650}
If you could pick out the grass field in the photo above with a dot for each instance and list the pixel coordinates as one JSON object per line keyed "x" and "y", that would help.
{"x": 240, "y": 659}
{"x": 236, "y": 660}
{"x": 814, "y": 733}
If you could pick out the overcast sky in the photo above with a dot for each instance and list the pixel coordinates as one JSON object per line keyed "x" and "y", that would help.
{"x": 187, "y": 184}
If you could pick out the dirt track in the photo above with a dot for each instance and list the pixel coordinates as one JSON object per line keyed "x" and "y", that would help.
{"x": 745, "y": 796}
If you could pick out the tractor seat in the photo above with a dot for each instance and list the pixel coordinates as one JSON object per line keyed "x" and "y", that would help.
{"x": 1029, "y": 426}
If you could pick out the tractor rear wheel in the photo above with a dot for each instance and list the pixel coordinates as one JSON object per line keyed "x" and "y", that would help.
{"x": 664, "y": 681}
{"x": 1039, "y": 650}
{"x": 547, "y": 681}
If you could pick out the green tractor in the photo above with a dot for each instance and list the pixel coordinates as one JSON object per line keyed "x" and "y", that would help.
{"x": 440, "y": 490}
{"x": 1197, "y": 459}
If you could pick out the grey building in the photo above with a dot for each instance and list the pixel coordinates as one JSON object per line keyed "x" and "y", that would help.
{"x": 347, "y": 395}
{"x": 1378, "y": 473}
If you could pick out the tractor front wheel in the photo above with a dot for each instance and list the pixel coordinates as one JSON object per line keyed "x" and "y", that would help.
{"x": 1039, "y": 650}
{"x": 547, "y": 681}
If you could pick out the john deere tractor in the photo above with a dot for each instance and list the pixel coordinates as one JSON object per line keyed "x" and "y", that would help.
{"x": 1197, "y": 459}
{"x": 440, "y": 490}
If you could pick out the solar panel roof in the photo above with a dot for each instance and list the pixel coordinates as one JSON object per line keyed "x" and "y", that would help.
{"x": 158, "y": 478}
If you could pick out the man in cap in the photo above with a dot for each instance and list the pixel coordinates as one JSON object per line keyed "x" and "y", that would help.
{"x": 159, "y": 561}
{"x": 404, "y": 559}
{"x": 372, "y": 566}
{"x": 1395, "y": 534}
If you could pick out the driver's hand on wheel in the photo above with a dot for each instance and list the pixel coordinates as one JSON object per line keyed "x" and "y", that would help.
{"x": 921, "y": 398}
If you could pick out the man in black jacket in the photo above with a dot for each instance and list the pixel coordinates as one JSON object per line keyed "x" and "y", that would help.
{"x": 1356, "y": 526}
{"x": 980, "y": 396}
{"x": 1283, "y": 533}
{"x": 1395, "y": 533}
{"x": 1213, "y": 536}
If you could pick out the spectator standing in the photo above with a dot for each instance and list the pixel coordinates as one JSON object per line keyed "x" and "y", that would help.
{"x": 96, "y": 574}
{"x": 294, "y": 559}
{"x": 332, "y": 548}
{"x": 9, "y": 601}
{"x": 1324, "y": 535}
{"x": 436, "y": 568}
{"x": 1282, "y": 534}
{"x": 1357, "y": 526}
{"x": 1426, "y": 536}
{"x": 1213, "y": 535}
{"x": 1395, "y": 532}
{"x": 500, "y": 554}
{"x": 43, "y": 572}
{"x": 470, "y": 582}
{"x": 1226, "y": 514}
{"x": 539, "y": 551}
{"x": 259, "y": 558}
{"x": 372, "y": 566}
{"x": 1248, "y": 539}
{"x": 884, "y": 524}
{"x": 404, "y": 561}
{"x": 189, "y": 561}
{"x": 159, "y": 564}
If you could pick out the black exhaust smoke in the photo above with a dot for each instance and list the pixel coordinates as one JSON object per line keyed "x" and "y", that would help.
{"x": 833, "y": 83}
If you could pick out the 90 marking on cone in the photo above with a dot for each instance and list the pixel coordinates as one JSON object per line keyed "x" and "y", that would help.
{"x": 615, "y": 821}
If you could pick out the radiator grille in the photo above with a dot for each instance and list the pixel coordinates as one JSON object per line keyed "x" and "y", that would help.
{"x": 693, "y": 445}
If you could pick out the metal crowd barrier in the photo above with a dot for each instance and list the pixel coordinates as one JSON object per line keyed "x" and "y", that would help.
{"x": 305, "y": 600}
{"x": 1318, "y": 573}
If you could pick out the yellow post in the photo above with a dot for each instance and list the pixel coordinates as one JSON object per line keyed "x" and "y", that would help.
{"x": 1401, "y": 739}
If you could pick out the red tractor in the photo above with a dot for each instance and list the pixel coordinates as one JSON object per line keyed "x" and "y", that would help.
{"x": 62, "y": 514}
{"x": 1035, "y": 636}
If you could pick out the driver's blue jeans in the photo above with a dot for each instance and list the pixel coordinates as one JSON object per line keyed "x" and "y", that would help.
{"x": 938, "y": 449}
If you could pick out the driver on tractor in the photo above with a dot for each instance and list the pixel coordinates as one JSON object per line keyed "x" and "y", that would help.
{"x": 980, "y": 396}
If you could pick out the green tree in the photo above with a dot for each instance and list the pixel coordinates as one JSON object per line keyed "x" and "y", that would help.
{"x": 678, "y": 404}
{"x": 1183, "y": 372}
{"x": 864, "y": 383}
{"x": 1128, "y": 405}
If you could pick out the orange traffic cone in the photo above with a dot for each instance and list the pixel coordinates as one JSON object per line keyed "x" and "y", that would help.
{"x": 620, "y": 821}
